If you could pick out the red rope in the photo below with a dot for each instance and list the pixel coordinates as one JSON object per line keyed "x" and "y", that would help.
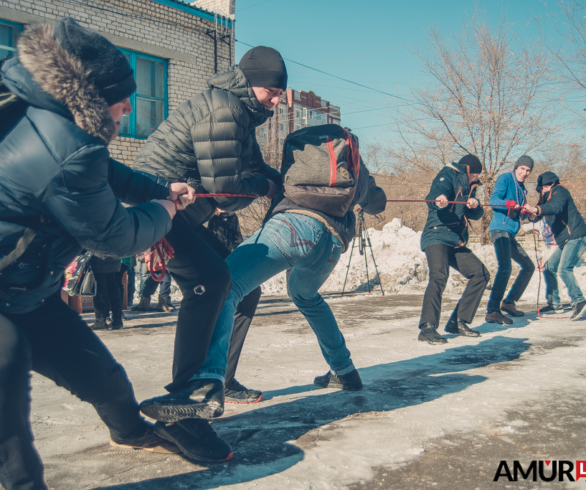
{"x": 449, "y": 202}
{"x": 203, "y": 196}
{"x": 157, "y": 257}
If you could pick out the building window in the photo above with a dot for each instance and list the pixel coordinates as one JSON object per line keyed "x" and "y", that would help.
{"x": 149, "y": 102}
{"x": 9, "y": 32}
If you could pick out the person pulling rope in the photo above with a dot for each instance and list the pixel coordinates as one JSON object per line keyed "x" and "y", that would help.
{"x": 161, "y": 252}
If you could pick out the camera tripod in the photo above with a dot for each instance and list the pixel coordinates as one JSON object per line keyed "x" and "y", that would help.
{"x": 363, "y": 242}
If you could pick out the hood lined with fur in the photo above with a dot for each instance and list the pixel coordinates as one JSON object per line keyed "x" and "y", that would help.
{"x": 62, "y": 76}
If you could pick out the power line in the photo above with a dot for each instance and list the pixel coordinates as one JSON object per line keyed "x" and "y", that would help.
{"x": 335, "y": 76}
{"x": 250, "y": 6}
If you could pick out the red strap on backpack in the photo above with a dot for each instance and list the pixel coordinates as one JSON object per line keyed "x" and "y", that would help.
{"x": 354, "y": 155}
{"x": 157, "y": 257}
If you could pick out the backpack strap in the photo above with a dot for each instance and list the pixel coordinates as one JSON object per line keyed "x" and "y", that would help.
{"x": 354, "y": 154}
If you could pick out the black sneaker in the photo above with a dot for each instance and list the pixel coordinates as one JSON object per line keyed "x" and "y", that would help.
{"x": 201, "y": 398}
{"x": 578, "y": 310}
{"x": 461, "y": 328}
{"x": 551, "y": 309}
{"x": 350, "y": 381}
{"x": 234, "y": 392}
{"x": 429, "y": 334}
{"x": 196, "y": 439}
{"x": 148, "y": 442}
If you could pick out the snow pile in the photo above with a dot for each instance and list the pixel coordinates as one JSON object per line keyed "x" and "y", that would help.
{"x": 403, "y": 267}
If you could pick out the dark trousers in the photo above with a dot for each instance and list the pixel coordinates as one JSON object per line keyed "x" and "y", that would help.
{"x": 108, "y": 293}
{"x": 507, "y": 248}
{"x": 439, "y": 259}
{"x": 204, "y": 279}
{"x": 54, "y": 341}
{"x": 149, "y": 285}
{"x": 131, "y": 284}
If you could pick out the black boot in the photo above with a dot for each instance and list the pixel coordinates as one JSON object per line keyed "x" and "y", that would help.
{"x": 350, "y": 381}
{"x": 196, "y": 439}
{"x": 460, "y": 328}
{"x": 200, "y": 398}
{"x": 117, "y": 322}
{"x": 429, "y": 334}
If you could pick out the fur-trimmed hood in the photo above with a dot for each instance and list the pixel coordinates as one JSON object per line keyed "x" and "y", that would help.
{"x": 43, "y": 64}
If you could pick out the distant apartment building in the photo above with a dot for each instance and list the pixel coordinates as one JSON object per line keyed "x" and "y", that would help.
{"x": 174, "y": 47}
{"x": 296, "y": 110}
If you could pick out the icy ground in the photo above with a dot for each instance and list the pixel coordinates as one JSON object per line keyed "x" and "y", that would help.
{"x": 439, "y": 417}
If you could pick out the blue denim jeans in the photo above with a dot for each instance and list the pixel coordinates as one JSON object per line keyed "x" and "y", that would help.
{"x": 286, "y": 241}
{"x": 564, "y": 261}
{"x": 507, "y": 249}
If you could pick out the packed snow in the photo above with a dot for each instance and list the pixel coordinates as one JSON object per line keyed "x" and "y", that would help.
{"x": 403, "y": 267}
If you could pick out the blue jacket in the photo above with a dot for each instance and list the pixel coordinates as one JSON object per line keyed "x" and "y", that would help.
{"x": 56, "y": 176}
{"x": 449, "y": 225}
{"x": 507, "y": 188}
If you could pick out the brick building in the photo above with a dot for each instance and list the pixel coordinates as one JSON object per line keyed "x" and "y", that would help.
{"x": 174, "y": 48}
{"x": 296, "y": 110}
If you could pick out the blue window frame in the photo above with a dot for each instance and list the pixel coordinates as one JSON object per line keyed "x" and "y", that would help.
{"x": 149, "y": 102}
{"x": 9, "y": 32}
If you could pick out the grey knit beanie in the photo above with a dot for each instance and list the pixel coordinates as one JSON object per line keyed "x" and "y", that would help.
{"x": 525, "y": 161}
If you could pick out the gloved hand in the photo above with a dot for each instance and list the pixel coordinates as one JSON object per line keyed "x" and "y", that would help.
{"x": 512, "y": 205}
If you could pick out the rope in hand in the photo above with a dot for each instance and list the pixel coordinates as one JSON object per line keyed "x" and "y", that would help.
{"x": 452, "y": 202}
{"x": 160, "y": 253}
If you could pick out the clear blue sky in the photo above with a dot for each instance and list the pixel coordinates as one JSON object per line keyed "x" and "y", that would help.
{"x": 319, "y": 32}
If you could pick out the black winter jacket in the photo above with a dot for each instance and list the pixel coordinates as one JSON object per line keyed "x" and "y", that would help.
{"x": 210, "y": 143}
{"x": 562, "y": 216}
{"x": 54, "y": 164}
{"x": 449, "y": 226}
{"x": 371, "y": 198}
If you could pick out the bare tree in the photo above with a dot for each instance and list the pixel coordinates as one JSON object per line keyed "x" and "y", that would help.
{"x": 572, "y": 57}
{"x": 489, "y": 99}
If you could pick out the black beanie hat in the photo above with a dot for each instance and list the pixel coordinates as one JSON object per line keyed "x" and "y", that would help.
{"x": 264, "y": 67}
{"x": 524, "y": 161}
{"x": 109, "y": 70}
{"x": 547, "y": 178}
{"x": 472, "y": 162}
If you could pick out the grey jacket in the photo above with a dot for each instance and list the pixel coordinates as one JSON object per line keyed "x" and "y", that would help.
{"x": 210, "y": 143}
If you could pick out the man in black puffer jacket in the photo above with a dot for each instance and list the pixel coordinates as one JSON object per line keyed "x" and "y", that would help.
{"x": 558, "y": 209}
{"x": 210, "y": 143}
{"x": 62, "y": 100}
{"x": 444, "y": 240}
